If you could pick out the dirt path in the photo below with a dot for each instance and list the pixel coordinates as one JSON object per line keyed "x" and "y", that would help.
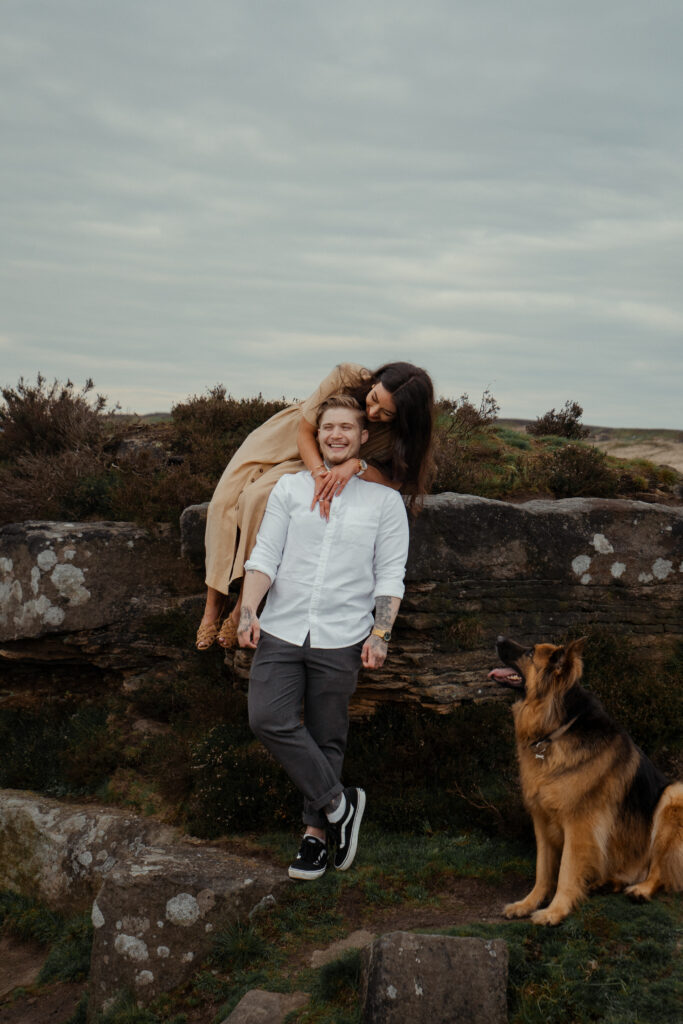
{"x": 467, "y": 900}
{"x": 662, "y": 453}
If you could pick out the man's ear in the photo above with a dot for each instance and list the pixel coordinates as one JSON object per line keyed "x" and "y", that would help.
{"x": 364, "y": 435}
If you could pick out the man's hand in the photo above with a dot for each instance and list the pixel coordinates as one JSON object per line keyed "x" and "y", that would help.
{"x": 249, "y": 628}
{"x": 330, "y": 484}
{"x": 374, "y": 652}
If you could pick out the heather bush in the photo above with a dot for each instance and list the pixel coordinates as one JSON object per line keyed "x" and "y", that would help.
{"x": 62, "y": 458}
{"x": 466, "y": 451}
{"x": 565, "y": 423}
{"x": 43, "y": 419}
{"x": 461, "y": 419}
{"x": 210, "y": 428}
{"x": 581, "y": 471}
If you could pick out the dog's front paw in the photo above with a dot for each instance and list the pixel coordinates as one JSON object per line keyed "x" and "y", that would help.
{"x": 522, "y": 908}
{"x": 641, "y": 892}
{"x": 548, "y": 916}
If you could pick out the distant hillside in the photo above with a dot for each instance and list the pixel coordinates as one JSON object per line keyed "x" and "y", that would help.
{"x": 623, "y": 434}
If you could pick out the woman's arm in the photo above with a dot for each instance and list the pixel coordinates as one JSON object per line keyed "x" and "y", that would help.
{"x": 376, "y": 476}
{"x": 330, "y": 485}
{"x": 308, "y": 446}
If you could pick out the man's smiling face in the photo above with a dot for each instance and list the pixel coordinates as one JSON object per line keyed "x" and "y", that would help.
{"x": 340, "y": 435}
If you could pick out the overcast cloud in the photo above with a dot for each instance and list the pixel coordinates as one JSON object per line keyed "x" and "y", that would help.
{"x": 249, "y": 192}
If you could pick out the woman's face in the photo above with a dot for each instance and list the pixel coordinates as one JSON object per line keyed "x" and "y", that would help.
{"x": 379, "y": 405}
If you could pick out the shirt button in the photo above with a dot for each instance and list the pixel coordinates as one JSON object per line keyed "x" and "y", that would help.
{"x": 260, "y": 470}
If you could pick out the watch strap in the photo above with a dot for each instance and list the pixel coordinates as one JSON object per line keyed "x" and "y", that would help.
{"x": 383, "y": 634}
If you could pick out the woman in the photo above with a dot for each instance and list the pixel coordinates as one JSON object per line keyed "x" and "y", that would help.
{"x": 398, "y": 399}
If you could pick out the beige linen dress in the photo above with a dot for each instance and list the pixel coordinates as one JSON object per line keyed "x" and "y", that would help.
{"x": 270, "y": 451}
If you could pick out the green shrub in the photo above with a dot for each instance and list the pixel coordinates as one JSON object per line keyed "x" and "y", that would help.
{"x": 427, "y": 771}
{"x": 580, "y": 471}
{"x": 565, "y": 423}
{"x": 28, "y": 920}
{"x": 644, "y": 697}
{"x": 208, "y": 429}
{"x": 69, "y": 958}
{"x": 43, "y": 419}
{"x": 59, "y": 748}
{"x": 237, "y": 786}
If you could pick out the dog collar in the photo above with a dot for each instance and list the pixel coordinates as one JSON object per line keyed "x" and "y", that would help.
{"x": 540, "y": 746}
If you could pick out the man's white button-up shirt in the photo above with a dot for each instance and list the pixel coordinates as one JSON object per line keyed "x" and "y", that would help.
{"x": 327, "y": 573}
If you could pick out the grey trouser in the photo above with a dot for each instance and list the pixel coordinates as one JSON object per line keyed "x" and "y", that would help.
{"x": 285, "y": 676}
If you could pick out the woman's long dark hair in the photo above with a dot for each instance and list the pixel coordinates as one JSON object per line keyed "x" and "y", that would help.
{"x": 412, "y": 392}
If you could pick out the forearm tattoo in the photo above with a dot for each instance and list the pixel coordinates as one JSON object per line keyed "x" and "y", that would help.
{"x": 246, "y": 618}
{"x": 383, "y": 613}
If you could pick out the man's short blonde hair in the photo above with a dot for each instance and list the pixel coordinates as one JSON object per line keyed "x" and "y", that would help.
{"x": 341, "y": 402}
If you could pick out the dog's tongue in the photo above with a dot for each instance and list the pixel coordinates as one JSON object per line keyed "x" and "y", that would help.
{"x": 501, "y": 674}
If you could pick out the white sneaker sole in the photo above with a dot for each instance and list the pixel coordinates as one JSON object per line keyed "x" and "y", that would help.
{"x": 305, "y": 876}
{"x": 355, "y": 828}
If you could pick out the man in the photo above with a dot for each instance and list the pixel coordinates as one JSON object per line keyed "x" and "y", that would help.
{"x": 323, "y": 577}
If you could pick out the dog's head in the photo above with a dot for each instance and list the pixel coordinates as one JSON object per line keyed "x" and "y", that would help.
{"x": 540, "y": 670}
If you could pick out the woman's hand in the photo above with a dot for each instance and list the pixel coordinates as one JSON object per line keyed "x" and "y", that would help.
{"x": 331, "y": 483}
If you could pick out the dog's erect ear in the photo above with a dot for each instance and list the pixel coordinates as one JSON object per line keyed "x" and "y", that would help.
{"x": 575, "y": 648}
{"x": 556, "y": 657}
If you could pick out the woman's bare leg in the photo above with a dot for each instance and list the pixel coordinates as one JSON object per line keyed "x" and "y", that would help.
{"x": 228, "y": 638}
{"x": 213, "y": 610}
{"x": 214, "y": 605}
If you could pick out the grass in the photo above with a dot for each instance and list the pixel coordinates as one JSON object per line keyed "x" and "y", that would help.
{"x": 68, "y": 940}
{"x": 611, "y": 961}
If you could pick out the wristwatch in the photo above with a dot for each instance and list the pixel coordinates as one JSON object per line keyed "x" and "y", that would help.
{"x": 383, "y": 634}
{"x": 363, "y": 467}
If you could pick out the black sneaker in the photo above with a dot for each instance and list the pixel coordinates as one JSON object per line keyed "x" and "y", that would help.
{"x": 311, "y": 860}
{"x": 345, "y": 832}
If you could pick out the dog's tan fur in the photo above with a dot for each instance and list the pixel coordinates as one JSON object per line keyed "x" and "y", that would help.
{"x": 583, "y": 785}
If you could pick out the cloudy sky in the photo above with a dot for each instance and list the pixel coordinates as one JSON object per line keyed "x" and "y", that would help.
{"x": 250, "y": 191}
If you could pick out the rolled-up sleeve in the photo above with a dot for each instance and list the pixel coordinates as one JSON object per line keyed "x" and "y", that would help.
{"x": 391, "y": 548}
{"x": 266, "y": 554}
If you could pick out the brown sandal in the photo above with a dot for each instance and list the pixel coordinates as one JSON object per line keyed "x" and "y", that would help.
{"x": 227, "y": 637}
{"x": 206, "y": 634}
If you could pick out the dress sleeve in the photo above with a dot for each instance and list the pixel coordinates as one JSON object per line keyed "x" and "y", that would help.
{"x": 342, "y": 375}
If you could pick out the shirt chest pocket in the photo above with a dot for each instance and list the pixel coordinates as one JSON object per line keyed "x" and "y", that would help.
{"x": 359, "y": 529}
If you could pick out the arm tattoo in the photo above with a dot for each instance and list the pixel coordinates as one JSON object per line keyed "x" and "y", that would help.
{"x": 246, "y": 619}
{"x": 383, "y": 617}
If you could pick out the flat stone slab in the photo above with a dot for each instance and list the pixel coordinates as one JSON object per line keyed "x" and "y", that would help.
{"x": 434, "y": 979}
{"x": 356, "y": 940}
{"x": 261, "y": 1007}
{"x": 60, "y": 853}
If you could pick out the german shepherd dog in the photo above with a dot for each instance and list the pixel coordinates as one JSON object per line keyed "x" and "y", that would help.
{"x": 602, "y": 813}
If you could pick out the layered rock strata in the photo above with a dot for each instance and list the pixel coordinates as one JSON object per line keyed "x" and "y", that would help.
{"x": 83, "y": 593}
